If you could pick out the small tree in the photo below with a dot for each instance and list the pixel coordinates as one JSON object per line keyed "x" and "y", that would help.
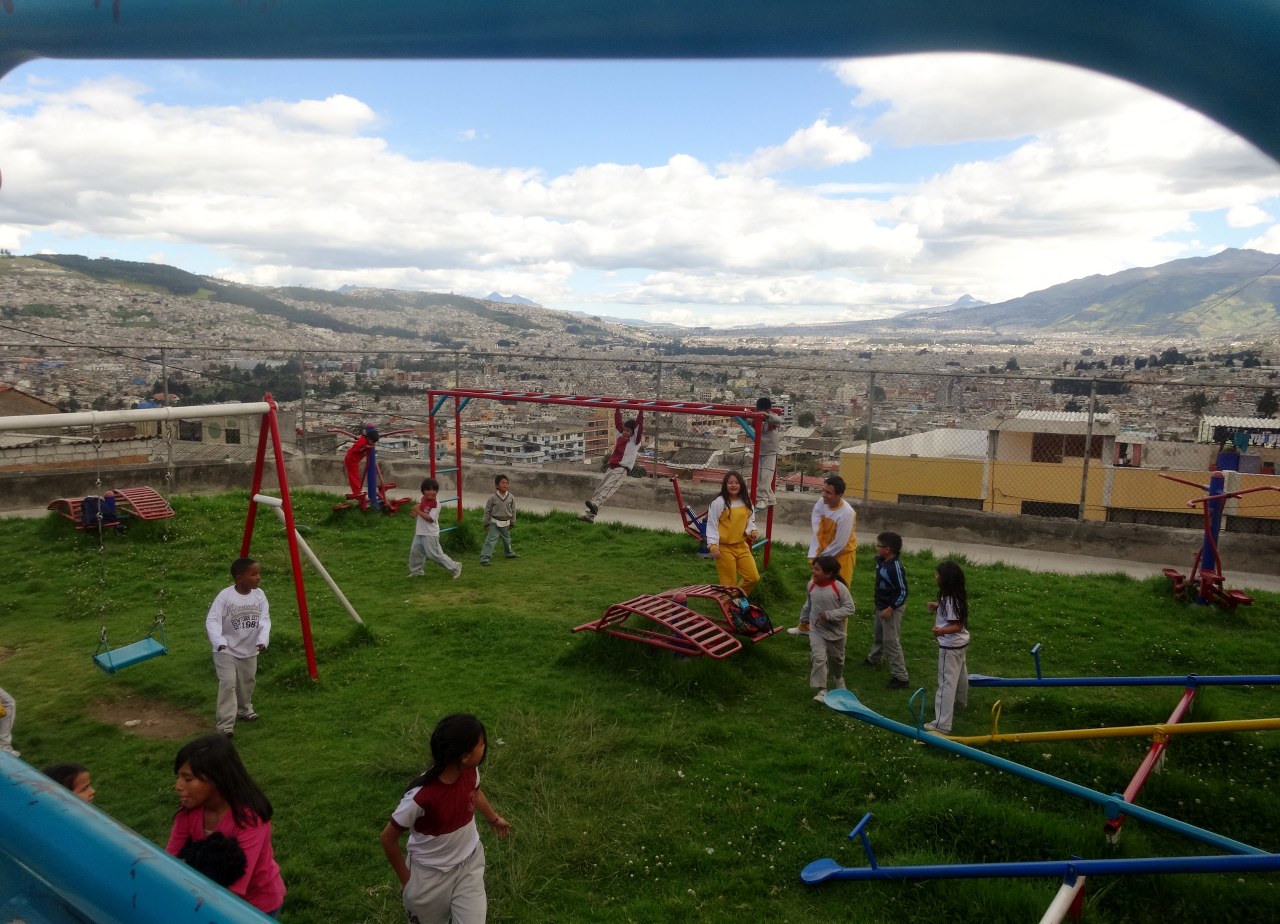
{"x": 1012, "y": 364}
{"x": 1197, "y": 401}
{"x": 1268, "y": 403}
{"x": 805, "y": 418}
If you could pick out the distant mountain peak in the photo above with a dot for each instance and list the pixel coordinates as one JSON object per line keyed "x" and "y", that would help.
{"x": 510, "y": 299}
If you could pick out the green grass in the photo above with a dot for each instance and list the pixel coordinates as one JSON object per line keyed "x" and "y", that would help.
{"x": 640, "y": 786}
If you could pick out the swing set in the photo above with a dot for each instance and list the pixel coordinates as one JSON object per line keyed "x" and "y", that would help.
{"x": 748, "y": 418}
{"x": 154, "y": 644}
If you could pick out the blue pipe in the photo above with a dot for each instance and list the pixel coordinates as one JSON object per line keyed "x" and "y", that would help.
{"x": 827, "y": 869}
{"x": 371, "y": 478}
{"x": 1210, "y": 560}
{"x": 62, "y": 860}
{"x": 1188, "y": 680}
{"x": 1115, "y": 805}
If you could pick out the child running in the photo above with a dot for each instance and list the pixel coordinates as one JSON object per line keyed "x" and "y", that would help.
{"x": 73, "y": 777}
{"x": 442, "y": 879}
{"x": 426, "y": 534}
{"x": 731, "y": 529}
{"x": 951, "y": 629}
{"x": 891, "y": 603}
{"x": 826, "y": 611}
{"x": 216, "y": 794}
{"x": 499, "y": 517}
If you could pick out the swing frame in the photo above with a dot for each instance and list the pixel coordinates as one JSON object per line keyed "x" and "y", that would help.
{"x": 268, "y": 434}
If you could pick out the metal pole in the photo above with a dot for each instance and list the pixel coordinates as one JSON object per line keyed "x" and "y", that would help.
{"x": 1088, "y": 450}
{"x": 278, "y": 506}
{"x": 99, "y": 418}
{"x": 871, "y": 419}
{"x": 1114, "y": 804}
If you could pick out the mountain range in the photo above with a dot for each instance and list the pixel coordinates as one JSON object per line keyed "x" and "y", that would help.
{"x": 1234, "y": 294}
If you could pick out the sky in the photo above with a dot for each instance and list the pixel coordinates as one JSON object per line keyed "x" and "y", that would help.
{"x": 713, "y": 193}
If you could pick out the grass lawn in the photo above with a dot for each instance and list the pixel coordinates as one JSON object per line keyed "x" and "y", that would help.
{"x": 641, "y": 787}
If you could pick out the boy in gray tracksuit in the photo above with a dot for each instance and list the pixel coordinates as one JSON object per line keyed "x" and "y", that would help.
{"x": 499, "y": 517}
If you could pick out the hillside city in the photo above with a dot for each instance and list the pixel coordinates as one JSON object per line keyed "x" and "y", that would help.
{"x": 75, "y": 342}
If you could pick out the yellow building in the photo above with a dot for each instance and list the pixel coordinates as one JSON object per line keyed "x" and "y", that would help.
{"x": 1035, "y": 464}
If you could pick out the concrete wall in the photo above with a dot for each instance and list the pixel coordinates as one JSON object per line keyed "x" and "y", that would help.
{"x": 1125, "y": 542}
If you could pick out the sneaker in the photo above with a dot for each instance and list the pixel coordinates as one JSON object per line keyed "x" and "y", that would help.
{"x": 802, "y": 629}
{"x": 593, "y": 508}
{"x": 249, "y": 716}
{"x": 820, "y": 696}
{"x": 12, "y": 751}
{"x": 457, "y": 572}
{"x": 587, "y": 517}
{"x": 867, "y": 662}
{"x": 933, "y": 727}
{"x": 484, "y": 563}
{"x": 228, "y": 735}
{"x": 511, "y": 555}
{"x": 896, "y": 684}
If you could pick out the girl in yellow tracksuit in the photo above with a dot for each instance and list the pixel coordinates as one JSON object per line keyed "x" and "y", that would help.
{"x": 731, "y": 529}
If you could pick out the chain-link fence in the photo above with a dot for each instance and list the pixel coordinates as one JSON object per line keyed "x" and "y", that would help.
{"x": 918, "y": 430}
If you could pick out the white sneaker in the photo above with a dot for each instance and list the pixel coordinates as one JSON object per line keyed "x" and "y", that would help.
{"x": 820, "y": 696}
{"x": 798, "y": 630}
{"x": 457, "y": 573}
{"x": 933, "y": 727}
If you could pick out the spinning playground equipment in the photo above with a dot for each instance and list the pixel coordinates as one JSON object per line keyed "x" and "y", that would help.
{"x": 1205, "y": 581}
{"x": 683, "y": 629}
{"x": 1241, "y": 857}
{"x": 374, "y": 496}
{"x": 268, "y": 433}
{"x": 748, "y": 418}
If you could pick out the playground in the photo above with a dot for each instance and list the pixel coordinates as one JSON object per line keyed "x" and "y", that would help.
{"x": 640, "y": 784}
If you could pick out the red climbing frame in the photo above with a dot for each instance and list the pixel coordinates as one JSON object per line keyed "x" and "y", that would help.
{"x": 682, "y": 629}
{"x": 462, "y": 396}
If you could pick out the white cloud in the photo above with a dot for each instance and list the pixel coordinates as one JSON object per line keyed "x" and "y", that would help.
{"x": 1267, "y": 242}
{"x": 1100, "y": 177}
{"x": 951, "y": 98}
{"x": 1247, "y": 216}
{"x": 819, "y": 145}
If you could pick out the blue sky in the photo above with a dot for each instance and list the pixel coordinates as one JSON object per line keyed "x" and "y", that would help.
{"x": 707, "y": 193}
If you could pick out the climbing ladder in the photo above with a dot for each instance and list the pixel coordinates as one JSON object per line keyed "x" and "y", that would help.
{"x": 684, "y": 631}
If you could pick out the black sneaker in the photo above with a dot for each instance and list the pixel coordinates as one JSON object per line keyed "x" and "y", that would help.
{"x": 896, "y": 684}
{"x": 593, "y": 508}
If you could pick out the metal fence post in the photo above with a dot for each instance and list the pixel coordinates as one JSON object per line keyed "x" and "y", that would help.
{"x": 1088, "y": 449}
{"x": 866, "y": 444}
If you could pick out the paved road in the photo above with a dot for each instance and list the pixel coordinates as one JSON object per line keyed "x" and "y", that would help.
{"x": 1028, "y": 559}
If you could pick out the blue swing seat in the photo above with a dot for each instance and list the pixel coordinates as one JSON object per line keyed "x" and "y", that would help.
{"x": 118, "y": 659}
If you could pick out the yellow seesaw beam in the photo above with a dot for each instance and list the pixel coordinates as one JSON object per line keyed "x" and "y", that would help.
{"x": 1122, "y": 731}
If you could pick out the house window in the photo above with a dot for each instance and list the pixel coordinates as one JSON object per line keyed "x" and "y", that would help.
{"x": 231, "y": 433}
{"x": 1054, "y": 447}
{"x": 1048, "y": 509}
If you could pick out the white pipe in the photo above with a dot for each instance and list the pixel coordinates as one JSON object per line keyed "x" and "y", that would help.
{"x": 277, "y": 505}
{"x": 98, "y": 418}
{"x": 1061, "y": 903}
